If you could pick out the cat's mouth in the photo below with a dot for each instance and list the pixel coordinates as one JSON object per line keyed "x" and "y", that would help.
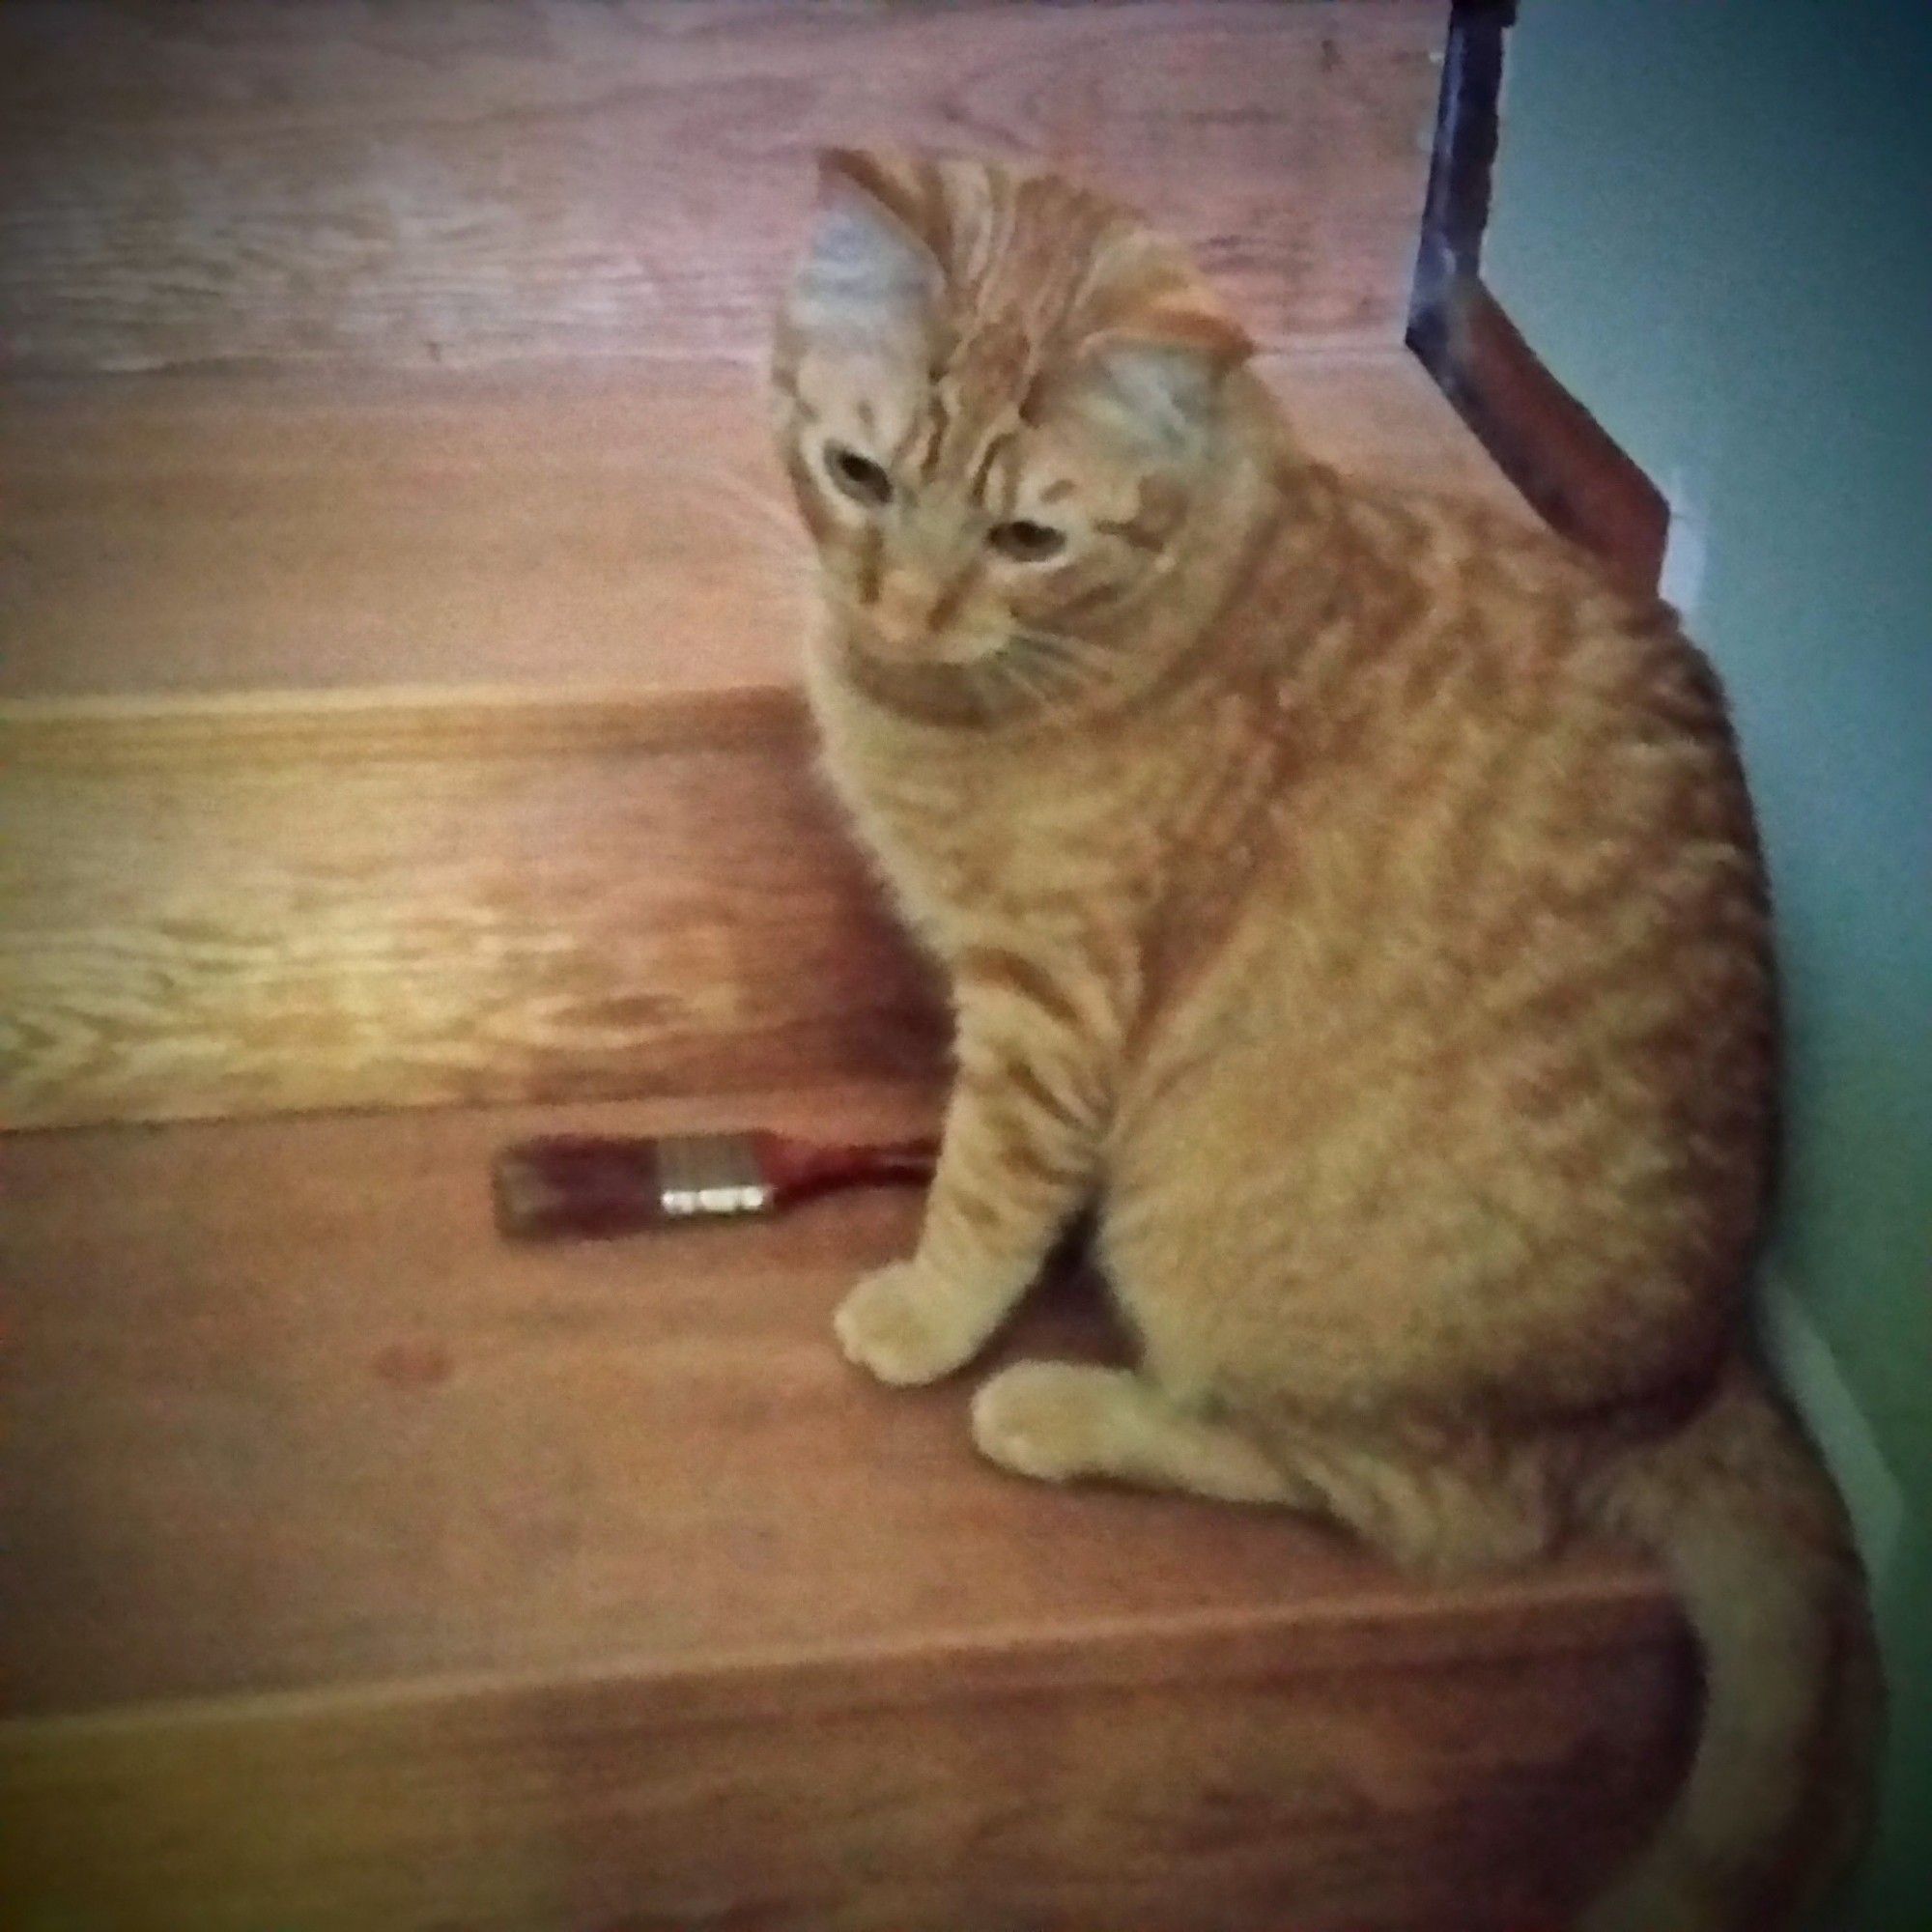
{"x": 1013, "y": 677}
{"x": 929, "y": 689}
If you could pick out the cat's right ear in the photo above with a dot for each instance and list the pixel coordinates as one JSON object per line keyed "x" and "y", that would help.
{"x": 1157, "y": 374}
{"x": 868, "y": 280}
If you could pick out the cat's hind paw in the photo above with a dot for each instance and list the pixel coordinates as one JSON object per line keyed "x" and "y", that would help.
{"x": 1048, "y": 1420}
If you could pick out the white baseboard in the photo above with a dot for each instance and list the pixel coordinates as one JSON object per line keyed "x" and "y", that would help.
{"x": 1808, "y": 1369}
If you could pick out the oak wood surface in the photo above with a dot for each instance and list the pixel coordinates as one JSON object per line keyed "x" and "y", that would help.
{"x": 308, "y": 184}
{"x": 336, "y": 1423}
{"x": 361, "y": 1570}
{"x": 255, "y": 864}
{"x": 395, "y": 709}
{"x": 1171, "y": 1778}
{"x": 263, "y": 906}
{"x": 1567, "y": 464}
{"x": 554, "y": 530}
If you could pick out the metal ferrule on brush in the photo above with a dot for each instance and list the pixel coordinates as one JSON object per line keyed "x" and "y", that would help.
{"x": 711, "y": 1174}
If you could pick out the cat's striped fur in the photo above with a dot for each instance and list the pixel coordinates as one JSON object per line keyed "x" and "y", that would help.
{"x": 1357, "y": 900}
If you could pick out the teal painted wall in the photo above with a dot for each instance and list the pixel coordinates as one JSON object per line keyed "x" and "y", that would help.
{"x": 1713, "y": 218}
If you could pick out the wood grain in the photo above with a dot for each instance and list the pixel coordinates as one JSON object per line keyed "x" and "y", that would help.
{"x": 379, "y": 735}
{"x": 310, "y": 183}
{"x": 1579, "y": 479}
{"x": 252, "y": 864}
{"x": 549, "y": 529}
{"x": 364, "y": 1570}
{"x": 552, "y": 531}
{"x": 1171, "y": 1780}
{"x": 269, "y": 906}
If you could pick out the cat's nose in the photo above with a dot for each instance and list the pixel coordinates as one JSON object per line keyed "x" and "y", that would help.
{"x": 902, "y": 613}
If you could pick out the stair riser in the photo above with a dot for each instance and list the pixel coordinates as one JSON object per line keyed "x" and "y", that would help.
{"x": 1188, "y": 1782}
{"x": 214, "y": 909}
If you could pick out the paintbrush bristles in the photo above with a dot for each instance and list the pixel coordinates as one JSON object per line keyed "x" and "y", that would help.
{"x": 562, "y": 1185}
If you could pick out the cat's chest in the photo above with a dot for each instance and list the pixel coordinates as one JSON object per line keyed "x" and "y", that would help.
{"x": 965, "y": 852}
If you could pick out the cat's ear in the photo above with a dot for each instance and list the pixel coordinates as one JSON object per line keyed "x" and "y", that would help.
{"x": 1159, "y": 372}
{"x": 869, "y": 276}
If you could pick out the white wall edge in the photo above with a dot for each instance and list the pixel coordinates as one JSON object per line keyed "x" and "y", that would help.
{"x": 1681, "y": 582}
{"x": 1810, "y": 1374}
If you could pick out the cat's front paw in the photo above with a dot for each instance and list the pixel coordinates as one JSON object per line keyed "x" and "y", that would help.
{"x": 906, "y": 1327}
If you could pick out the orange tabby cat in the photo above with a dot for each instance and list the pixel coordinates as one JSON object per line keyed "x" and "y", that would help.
{"x": 1357, "y": 902}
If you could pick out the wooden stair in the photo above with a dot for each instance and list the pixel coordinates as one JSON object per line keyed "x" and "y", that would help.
{"x": 366, "y": 1572}
{"x": 394, "y": 742}
{"x": 399, "y": 752}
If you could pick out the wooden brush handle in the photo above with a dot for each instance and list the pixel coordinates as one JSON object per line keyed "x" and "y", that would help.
{"x": 799, "y": 1169}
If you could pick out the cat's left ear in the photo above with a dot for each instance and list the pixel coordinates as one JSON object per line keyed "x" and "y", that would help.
{"x": 869, "y": 277}
{"x": 1160, "y": 372}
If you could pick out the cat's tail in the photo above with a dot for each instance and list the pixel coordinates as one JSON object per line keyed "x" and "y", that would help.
{"x": 1755, "y": 1539}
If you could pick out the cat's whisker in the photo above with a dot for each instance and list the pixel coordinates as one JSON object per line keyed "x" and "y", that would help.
{"x": 1062, "y": 640}
{"x": 1005, "y": 670}
{"x": 1045, "y": 644}
{"x": 1047, "y": 673}
{"x": 1030, "y": 664}
{"x": 1021, "y": 675}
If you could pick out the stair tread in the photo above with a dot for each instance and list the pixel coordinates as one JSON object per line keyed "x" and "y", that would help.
{"x": 247, "y": 185}
{"x": 286, "y": 1415}
{"x": 543, "y": 530}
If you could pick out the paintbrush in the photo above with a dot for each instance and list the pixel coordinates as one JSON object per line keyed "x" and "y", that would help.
{"x": 560, "y": 1187}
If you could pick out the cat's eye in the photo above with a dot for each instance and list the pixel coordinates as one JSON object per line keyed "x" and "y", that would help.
{"x": 1025, "y": 541}
{"x": 859, "y": 476}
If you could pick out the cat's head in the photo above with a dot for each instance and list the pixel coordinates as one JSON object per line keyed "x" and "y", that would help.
{"x": 999, "y": 399}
